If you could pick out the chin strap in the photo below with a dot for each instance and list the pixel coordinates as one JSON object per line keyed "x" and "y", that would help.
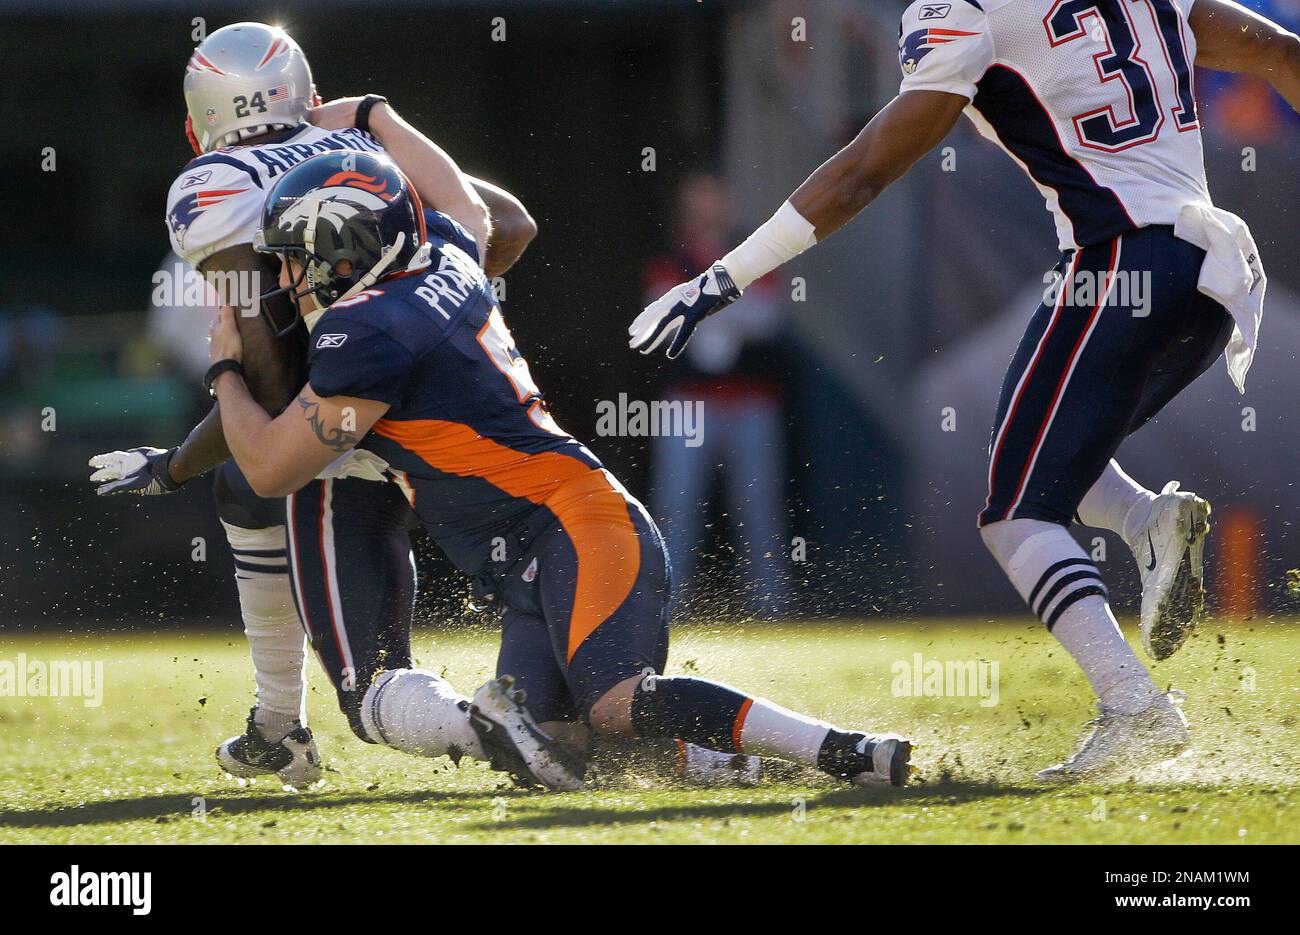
{"x": 370, "y": 278}
{"x": 385, "y": 261}
{"x": 419, "y": 261}
{"x": 189, "y": 135}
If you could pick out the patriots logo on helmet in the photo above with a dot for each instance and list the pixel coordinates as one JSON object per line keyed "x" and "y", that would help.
{"x": 191, "y": 206}
{"x": 922, "y": 42}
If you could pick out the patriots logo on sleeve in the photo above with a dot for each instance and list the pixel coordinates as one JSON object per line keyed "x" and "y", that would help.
{"x": 922, "y": 42}
{"x": 191, "y": 206}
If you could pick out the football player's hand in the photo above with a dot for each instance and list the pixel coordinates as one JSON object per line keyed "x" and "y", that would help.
{"x": 338, "y": 114}
{"x": 676, "y": 314}
{"x": 141, "y": 471}
{"x": 223, "y": 336}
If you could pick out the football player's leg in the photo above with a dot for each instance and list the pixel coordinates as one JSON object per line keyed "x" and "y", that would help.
{"x": 1116, "y": 502}
{"x": 527, "y": 657}
{"x": 1075, "y": 383}
{"x": 354, "y": 581}
{"x": 1166, "y": 531}
{"x": 255, "y": 530}
{"x": 604, "y": 589}
{"x": 1170, "y": 545}
{"x": 276, "y": 738}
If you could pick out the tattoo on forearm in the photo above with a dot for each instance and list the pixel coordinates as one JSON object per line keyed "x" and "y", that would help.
{"x": 334, "y": 439}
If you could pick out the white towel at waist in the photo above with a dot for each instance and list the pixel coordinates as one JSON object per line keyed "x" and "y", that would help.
{"x": 358, "y": 463}
{"x": 1232, "y": 275}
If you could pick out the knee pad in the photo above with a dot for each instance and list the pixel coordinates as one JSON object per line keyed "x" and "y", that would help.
{"x": 413, "y": 711}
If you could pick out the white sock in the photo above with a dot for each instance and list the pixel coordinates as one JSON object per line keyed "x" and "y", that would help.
{"x": 765, "y": 729}
{"x": 1088, "y": 631}
{"x": 419, "y": 713}
{"x": 1062, "y": 586}
{"x": 1117, "y": 502}
{"x": 275, "y": 636}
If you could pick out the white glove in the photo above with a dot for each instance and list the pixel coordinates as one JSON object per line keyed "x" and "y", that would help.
{"x": 141, "y": 471}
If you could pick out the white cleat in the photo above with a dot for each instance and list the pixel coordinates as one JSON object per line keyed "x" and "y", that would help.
{"x": 1170, "y": 554}
{"x": 294, "y": 758}
{"x": 513, "y": 741}
{"x": 713, "y": 769}
{"x": 891, "y": 759}
{"x": 1155, "y": 733}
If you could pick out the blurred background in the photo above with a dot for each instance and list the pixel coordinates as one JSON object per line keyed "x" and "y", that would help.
{"x": 847, "y": 399}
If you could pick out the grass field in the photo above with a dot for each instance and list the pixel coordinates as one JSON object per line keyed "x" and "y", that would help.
{"x": 139, "y": 767}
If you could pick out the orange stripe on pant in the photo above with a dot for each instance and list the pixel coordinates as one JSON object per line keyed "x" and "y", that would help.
{"x": 592, "y": 510}
{"x": 738, "y": 727}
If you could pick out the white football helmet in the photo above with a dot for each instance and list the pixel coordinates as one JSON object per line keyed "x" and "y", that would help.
{"x": 244, "y": 80}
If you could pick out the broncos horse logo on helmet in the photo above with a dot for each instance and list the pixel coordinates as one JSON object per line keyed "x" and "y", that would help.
{"x": 350, "y": 218}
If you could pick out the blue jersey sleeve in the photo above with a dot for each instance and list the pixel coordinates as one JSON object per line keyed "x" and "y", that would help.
{"x": 352, "y": 358}
{"x": 440, "y": 225}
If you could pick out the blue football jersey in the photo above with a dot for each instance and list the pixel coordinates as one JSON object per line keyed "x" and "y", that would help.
{"x": 467, "y": 435}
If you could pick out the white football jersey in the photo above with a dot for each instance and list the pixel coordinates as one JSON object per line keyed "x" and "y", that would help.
{"x": 1093, "y": 98}
{"x": 216, "y": 201}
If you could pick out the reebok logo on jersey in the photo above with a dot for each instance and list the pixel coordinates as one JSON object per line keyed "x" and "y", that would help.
{"x": 935, "y": 10}
{"x": 331, "y": 340}
{"x": 198, "y": 178}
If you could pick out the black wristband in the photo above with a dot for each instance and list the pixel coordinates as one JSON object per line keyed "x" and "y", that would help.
{"x": 363, "y": 110}
{"x": 217, "y": 369}
{"x": 162, "y": 471}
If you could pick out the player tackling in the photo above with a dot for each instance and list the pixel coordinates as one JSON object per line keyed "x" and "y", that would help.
{"x": 1094, "y": 99}
{"x": 253, "y": 113}
{"x": 412, "y": 366}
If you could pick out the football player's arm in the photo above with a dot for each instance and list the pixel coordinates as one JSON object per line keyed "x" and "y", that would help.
{"x": 513, "y": 228}
{"x": 272, "y": 365}
{"x": 906, "y": 129}
{"x": 280, "y": 455}
{"x": 492, "y": 215}
{"x": 434, "y": 174}
{"x": 1230, "y": 37}
{"x": 901, "y": 133}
